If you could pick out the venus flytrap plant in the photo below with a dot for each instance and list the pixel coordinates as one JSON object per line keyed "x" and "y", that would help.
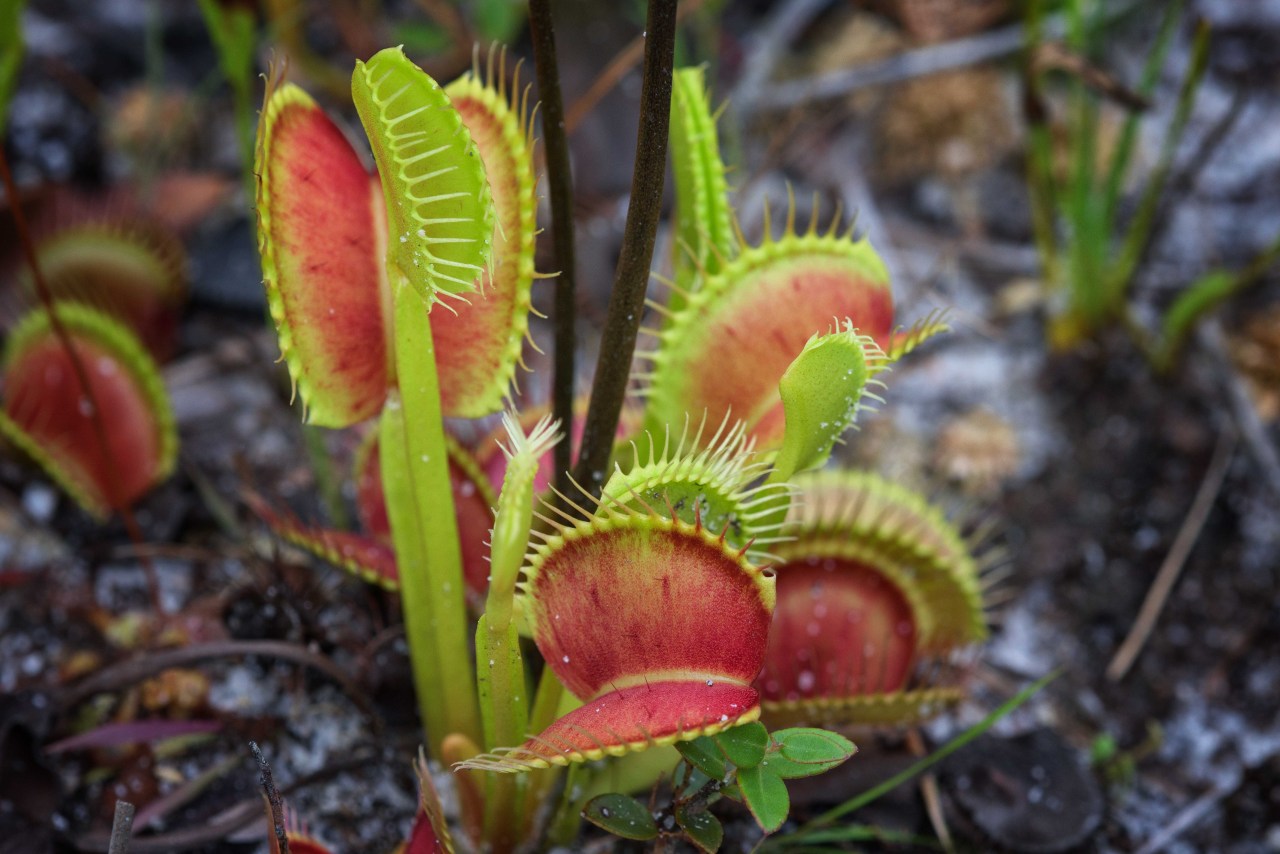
{"x": 896, "y": 591}
{"x": 876, "y": 591}
{"x": 651, "y": 604}
{"x": 354, "y": 266}
{"x": 440, "y": 223}
{"x": 117, "y": 287}
{"x": 47, "y": 413}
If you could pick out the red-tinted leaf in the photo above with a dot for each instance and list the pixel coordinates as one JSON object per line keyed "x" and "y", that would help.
{"x": 47, "y": 414}
{"x": 840, "y": 629}
{"x": 727, "y": 349}
{"x": 322, "y": 234}
{"x": 129, "y": 268}
{"x": 479, "y": 342}
{"x": 361, "y": 555}
{"x": 430, "y": 829}
{"x": 634, "y": 600}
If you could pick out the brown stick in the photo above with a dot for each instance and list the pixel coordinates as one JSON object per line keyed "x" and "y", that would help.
{"x": 246, "y": 811}
{"x": 121, "y": 828}
{"x": 626, "y": 303}
{"x": 274, "y": 802}
{"x": 929, "y": 792}
{"x": 1175, "y": 560}
{"x": 614, "y": 72}
{"x": 560, "y": 184}
{"x": 134, "y": 669}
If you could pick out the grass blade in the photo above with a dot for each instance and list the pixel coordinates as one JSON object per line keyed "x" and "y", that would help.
{"x": 924, "y": 764}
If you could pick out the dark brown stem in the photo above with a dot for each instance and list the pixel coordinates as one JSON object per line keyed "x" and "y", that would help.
{"x": 82, "y": 377}
{"x": 274, "y": 801}
{"x": 560, "y": 182}
{"x": 626, "y": 303}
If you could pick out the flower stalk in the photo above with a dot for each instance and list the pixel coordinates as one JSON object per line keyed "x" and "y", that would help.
{"x": 626, "y": 303}
{"x": 560, "y": 184}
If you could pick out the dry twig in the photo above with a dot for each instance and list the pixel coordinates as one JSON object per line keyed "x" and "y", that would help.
{"x": 140, "y": 667}
{"x": 1167, "y": 577}
{"x": 121, "y": 828}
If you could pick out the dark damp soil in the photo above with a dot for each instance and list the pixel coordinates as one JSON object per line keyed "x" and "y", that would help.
{"x": 1087, "y": 463}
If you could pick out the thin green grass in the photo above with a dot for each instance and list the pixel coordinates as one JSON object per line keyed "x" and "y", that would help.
{"x": 1090, "y": 250}
{"x": 816, "y": 830}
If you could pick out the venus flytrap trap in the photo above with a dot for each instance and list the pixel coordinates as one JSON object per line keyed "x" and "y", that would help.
{"x": 704, "y": 239}
{"x": 821, "y": 393}
{"x": 117, "y": 286}
{"x": 713, "y": 482}
{"x": 876, "y": 594}
{"x": 665, "y": 586}
{"x": 48, "y": 416}
{"x": 129, "y": 269}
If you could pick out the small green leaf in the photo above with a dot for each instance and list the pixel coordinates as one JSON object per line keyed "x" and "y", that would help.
{"x": 622, "y": 816}
{"x": 766, "y": 796}
{"x": 806, "y": 752}
{"x": 1104, "y": 749}
{"x": 703, "y": 829}
{"x": 821, "y": 392}
{"x": 788, "y": 770}
{"x": 810, "y": 746}
{"x": 1201, "y": 296}
{"x": 702, "y": 754}
{"x": 744, "y": 745}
